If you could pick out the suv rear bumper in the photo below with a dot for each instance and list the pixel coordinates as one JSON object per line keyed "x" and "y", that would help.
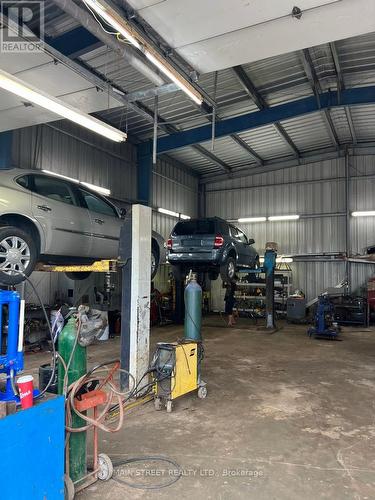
{"x": 215, "y": 257}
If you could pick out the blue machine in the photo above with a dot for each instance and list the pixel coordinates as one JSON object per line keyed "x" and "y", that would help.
{"x": 325, "y": 327}
{"x": 12, "y": 361}
{"x": 32, "y": 452}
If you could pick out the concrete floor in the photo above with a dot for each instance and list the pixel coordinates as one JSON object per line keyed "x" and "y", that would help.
{"x": 286, "y": 417}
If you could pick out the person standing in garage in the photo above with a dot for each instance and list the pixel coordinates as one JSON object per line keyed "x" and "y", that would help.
{"x": 229, "y": 302}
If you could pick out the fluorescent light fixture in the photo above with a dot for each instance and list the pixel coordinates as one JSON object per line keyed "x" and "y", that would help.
{"x": 160, "y": 65}
{"x": 104, "y": 12}
{"x": 252, "y": 219}
{"x": 93, "y": 187}
{"x": 279, "y": 260}
{"x": 284, "y": 260}
{"x": 168, "y": 212}
{"x": 112, "y": 18}
{"x": 99, "y": 189}
{"x": 368, "y": 213}
{"x": 31, "y": 94}
{"x": 185, "y": 217}
{"x": 283, "y": 217}
{"x": 60, "y": 175}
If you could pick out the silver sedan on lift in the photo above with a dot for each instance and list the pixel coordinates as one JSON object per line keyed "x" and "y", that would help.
{"x": 50, "y": 219}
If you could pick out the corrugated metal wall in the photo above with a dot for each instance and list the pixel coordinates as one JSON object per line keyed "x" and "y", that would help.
{"x": 313, "y": 189}
{"x": 70, "y": 150}
{"x": 174, "y": 189}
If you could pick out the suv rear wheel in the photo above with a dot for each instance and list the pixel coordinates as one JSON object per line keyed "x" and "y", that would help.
{"x": 228, "y": 270}
{"x": 18, "y": 254}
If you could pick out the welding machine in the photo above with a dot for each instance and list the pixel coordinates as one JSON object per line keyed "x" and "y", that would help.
{"x": 176, "y": 366}
{"x": 176, "y": 371}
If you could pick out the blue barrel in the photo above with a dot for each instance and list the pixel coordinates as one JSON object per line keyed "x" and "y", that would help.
{"x": 193, "y": 311}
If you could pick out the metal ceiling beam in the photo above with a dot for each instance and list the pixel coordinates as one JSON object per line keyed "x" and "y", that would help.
{"x": 259, "y": 101}
{"x": 351, "y": 124}
{"x": 250, "y": 150}
{"x": 336, "y": 62}
{"x": 317, "y": 89}
{"x": 249, "y": 121}
{"x": 341, "y": 87}
{"x": 249, "y": 87}
{"x": 213, "y": 158}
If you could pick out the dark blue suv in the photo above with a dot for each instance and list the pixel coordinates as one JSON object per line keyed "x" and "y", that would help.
{"x": 210, "y": 245}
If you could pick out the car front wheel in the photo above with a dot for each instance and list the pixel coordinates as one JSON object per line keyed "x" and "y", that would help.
{"x": 228, "y": 270}
{"x": 18, "y": 255}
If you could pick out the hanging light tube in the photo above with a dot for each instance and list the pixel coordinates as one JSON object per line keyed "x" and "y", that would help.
{"x": 109, "y": 17}
{"x": 283, "y": 217}
{"x": 366, "y": 213}
{"x": 175, "y": 79}
{"x": 29, "y": 93}
{"x": 112, "y": 18}
{"x": 168, "y": 212}
{"x": 99, "y": 189}
{"x": 93, "y": 187}
{"x": 252, "y": 219}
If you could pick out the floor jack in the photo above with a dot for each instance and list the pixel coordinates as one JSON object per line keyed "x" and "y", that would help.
{"x": 176, "y": 366}
{"x": 325, "y": 326}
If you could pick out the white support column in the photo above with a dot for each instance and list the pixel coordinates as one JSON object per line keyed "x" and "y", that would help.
{"x": 140, "y": 290}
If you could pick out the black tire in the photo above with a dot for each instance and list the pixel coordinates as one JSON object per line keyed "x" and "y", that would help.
{"x": 178, "y": 273}
{"x": 213, "y": 275}
{"x": 228, "y": 270}
{"x": 156, "y": 258}
{"x": 79, "y": 276}
{"x": 29, "y": 254}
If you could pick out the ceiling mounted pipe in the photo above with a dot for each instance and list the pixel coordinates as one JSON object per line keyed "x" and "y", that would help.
{"x": 127, "y": 52}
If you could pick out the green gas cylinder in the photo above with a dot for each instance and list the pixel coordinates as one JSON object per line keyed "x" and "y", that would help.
{"x": 77, "y": 368}
{"x": 193, "y": 310}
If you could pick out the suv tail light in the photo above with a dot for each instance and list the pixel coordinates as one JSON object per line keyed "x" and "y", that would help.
{"x": 219, "y": 241}
{"x": 169, "y": 244}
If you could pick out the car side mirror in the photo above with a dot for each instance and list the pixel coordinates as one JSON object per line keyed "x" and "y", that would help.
{"x": 251, "y": 241}
{"x": 122, "y": 213}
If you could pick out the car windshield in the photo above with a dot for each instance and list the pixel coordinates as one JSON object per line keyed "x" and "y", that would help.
{"x": 194, "y": 227}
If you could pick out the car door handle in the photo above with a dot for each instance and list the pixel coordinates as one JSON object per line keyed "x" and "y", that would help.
{"x": 99, "y": 221}
{"x": 45, "y": 208}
